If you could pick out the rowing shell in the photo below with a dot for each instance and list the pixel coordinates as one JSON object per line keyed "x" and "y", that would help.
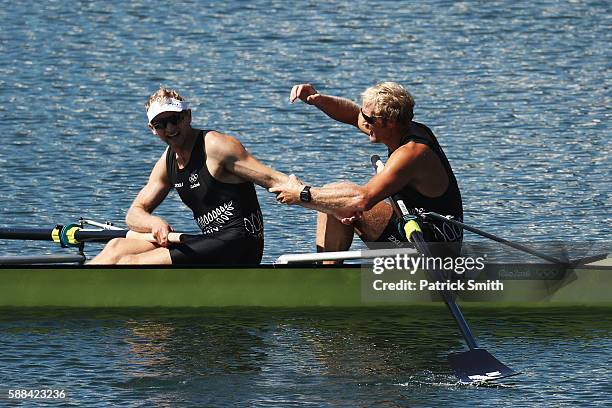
{"x": 348, "y": 286}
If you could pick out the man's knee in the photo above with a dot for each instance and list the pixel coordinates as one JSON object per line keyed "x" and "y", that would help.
{"x": 128, "y": 260}
{"x": 110, "y": 254}
{"x": 322, "y": 218}
{"x": 374, "y": 222}
{"x": 332, "y": 235}
{"x": 115, "y": 244}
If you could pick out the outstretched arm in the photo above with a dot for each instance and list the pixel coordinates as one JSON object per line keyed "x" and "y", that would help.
{"x": 235, "y": 159}
{"x": 346, "y": 199}
{"x": 340, "y": 109}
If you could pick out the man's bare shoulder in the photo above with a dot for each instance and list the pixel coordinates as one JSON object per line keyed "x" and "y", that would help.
{"x": 214, "y": 138}
{"x": 419, "y": 163}
{"x": 412, "y": 152}
{"x": 220, "y": 145}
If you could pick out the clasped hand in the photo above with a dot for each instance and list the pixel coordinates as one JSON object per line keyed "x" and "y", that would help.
{"x": 289, "y": 191}
{"x": 160, "y": 231}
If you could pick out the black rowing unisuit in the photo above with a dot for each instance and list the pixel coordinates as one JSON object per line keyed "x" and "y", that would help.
{"x": 218, "y": 208}
{"x": 449, "y": 203}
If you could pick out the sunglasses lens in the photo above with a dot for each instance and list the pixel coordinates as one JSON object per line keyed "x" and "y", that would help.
{"x": 162, "y": 123}
{"x": 367, "y": 118}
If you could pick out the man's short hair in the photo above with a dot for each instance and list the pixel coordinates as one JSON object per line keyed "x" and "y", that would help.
{"x": 161, "y": 95}
{"x": 391, "y": 101}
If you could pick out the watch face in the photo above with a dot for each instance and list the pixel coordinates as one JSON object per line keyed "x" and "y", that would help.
{"x": 305, "y": 194}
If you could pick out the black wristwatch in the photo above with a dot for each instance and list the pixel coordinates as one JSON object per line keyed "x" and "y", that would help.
{"x": 305, "y": 195}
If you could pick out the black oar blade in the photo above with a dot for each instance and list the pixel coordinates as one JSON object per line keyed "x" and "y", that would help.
{"x": 477, "y": 366}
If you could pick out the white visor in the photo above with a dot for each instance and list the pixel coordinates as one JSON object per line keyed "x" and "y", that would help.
{"x": 167, "y": 105}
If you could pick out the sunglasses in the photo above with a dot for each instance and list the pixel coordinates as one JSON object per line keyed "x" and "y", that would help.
{"x": 160, "y": 124}
{"x": 369, "y": 119}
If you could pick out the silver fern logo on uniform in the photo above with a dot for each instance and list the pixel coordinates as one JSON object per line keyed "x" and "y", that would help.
{"x": 448, "y": 232}
{"x": 193, "y": 180}
{"x": 214, "y": 220}
{"x": 254, "y": 224}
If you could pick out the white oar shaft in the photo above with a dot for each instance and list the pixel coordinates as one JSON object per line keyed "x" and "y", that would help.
{"x": 379, "y": 166}
{"x": 173, "y": 237}
{"x": 100, "y": 225}
{"x": 343, "y": 255}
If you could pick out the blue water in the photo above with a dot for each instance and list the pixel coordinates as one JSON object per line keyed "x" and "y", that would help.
{"x": 305, "y": 357}
{"x": 518, "y": 94}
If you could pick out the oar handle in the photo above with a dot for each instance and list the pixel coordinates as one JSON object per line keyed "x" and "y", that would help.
{"x": 173, "y": 237}
{"x": 415, "y": 236}
{"x": 377, "y": 163}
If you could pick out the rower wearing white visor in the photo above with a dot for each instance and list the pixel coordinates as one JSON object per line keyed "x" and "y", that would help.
{"x": 214, "y": 176}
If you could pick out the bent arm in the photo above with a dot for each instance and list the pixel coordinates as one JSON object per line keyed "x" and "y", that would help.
{"x": 353, "y": 198}
{"x": 349, "y": 198}
{"x": 340, "y": 109}
{"x": 139, "y": 217}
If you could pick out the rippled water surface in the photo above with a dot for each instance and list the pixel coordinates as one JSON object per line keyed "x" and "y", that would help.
{"x": 518, "y": 94}
{"x": 317, "y": 357}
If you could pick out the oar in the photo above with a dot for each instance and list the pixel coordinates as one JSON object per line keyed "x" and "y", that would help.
{"x": 41, "y": 259}
{"x": 435, "y": 216}
{"x": 476, "y": 364}
{"x": 73, "y": 234}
